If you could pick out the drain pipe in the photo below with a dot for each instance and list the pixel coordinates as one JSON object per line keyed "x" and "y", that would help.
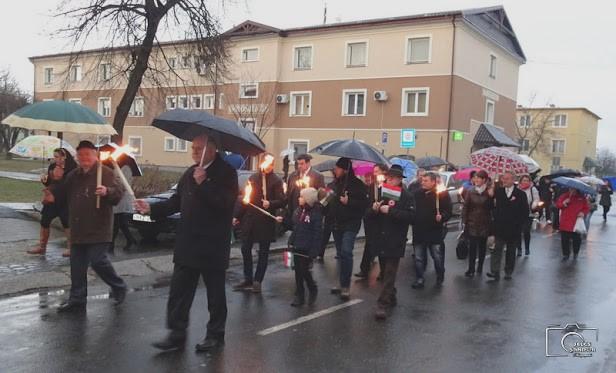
{"x": 453, "y": 56}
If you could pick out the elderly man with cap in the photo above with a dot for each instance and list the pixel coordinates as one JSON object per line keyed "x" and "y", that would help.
{"x": 392, "y": 212}
{"x": 348, "y": 209}
{"x": 91, "y": 226}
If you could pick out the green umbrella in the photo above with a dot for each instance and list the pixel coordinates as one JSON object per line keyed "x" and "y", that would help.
{"x": 60, "y": 116}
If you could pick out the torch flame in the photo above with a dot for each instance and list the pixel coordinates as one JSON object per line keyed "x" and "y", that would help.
{"x": 267, "y": 161}
{"x": 247, "y": 193}
{"x": 124, "y": 149}
{"x": 304, "y": 182}
{"x": 104, "y": 155}
{"x": 380, "y": 179}
{"x": 440, "y": 188}
{"x": 284, "y": 187}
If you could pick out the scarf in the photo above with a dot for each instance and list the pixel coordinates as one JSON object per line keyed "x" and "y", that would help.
{"x": 481, "y": 189}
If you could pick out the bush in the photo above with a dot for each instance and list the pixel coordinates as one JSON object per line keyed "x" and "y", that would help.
{"x": 154, "y": 181}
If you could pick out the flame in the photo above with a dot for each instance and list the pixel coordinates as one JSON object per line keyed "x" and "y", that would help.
{"x": 247, "y": 193}
{"x": 104, "y": 155}
{"x": 461, "y": 190}
{"x": 267, "y": 161}
{"x": 541, "y": 203}
{"x": 285, "y": 187}
{"x": 380, "y": 179}
{"x": 304, "y": 182}
{"x": 440, "y": 188}
{"x": 124, "y": 149}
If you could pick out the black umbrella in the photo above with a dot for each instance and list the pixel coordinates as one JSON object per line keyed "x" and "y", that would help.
{"x": 188, "y": 124}
{"x": 429, "y": 162}
{"x": 123, "y": 160}
{"x": 567, "y": 172}
{"x": 351, "y": 149}
{"x": 328, "y": 165}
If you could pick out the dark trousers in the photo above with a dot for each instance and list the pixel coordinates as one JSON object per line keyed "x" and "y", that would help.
{"x": 368, "y": 258}
{"x": 345, "y": 242}
{"x": 555, "y": 217}
{"x": 390, "y": 271}
{"x": 263, "y": 255}
{"x": 303, "y": 275}
{"x": 546, "y": 211}
{"x": 437, "y": 252}
{"x": 526, "y": 228}
{"x": 120, "y": 222}
{"x": 182, "y": 292}
{"x": 509, "y": 246}
{"x": 606, "y": 209}
{"x": 95, "y": 255}
{"x": 476, "y": 252}
{"x": 568, "y": 238}
{"x": 327, "y": 232}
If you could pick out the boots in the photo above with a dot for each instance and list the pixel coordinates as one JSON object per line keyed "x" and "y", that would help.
{"x": 42, "y": 248}
{"x": 67, "y": 253}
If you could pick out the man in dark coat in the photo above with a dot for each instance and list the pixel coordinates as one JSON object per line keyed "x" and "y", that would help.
{"x": 91, "y": 226}
{"x": 510, "y": 212}
{"x": 392, "y": 213}
{"x": 429, "y": 228}
{"x": 303, "y": 177}
{"x": 328, "y": 218}
{"x": 256, "y": 226}
{"x": 349, "y": 207}
{"x": 205, "y": 196}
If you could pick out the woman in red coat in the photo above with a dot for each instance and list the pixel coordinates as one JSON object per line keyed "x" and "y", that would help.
{"x": 572, "y": 205}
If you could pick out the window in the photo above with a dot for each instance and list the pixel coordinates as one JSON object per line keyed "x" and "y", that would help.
{"x": 75, "y": 100}
{"x": 208, "y": 101}
{"x": 172, "y": 102}
{"x": 136, "y": 108}
{"x": 48, "y": 73}
{"x": 560, "y": 120}
{"x": 489, "y": 114}
{"x": 136, "y": 143}
{"x": 302, "y": 59}
{"x": 169, "y": 144}
{"x": 248, "y": 123}
{"x": 185, "y": 62}
{"x": 75, "y": 73}
{"x": 104, "y": 71}
{"x": 221, "y": 101}
{"x": 300, "y": 104}
{"x": 299, "y": 147}
{"x": 492, "y": 66}
{"x": 356, "y": 54}
{"x": 183, "y": 102}
{"x": 525, "y": 121}
{"x": 104, "y": 106}
{"x": 181, "y": 146}
{"x": 524, "y": 145}
{"x": 249, "y": 90}
{"x": 558, "y": 146}
{"x": 415, "y": 101}
{"x": 354, "y": 102}
{"x": 555, "y": 164}
{"x": 172, "y": 62}
{"x": 250, "y": 54}
{"x": 196, "y": 102}
{"x": 418, "y": 50}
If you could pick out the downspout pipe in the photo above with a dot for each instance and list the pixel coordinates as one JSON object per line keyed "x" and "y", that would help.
{"x": 450, "y": 118}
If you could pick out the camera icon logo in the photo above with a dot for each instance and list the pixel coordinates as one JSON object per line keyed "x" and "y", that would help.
{"x": 575, "y": 340}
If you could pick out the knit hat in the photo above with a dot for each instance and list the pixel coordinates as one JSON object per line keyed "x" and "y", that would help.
{"x": 310, "y": 195}
{"x": 344, "y": 163}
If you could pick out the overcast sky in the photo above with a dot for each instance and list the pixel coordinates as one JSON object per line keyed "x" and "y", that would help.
{"x": 570, "y": 45}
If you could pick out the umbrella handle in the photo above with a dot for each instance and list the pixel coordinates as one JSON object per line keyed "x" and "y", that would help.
{"x": 203, "y": 154}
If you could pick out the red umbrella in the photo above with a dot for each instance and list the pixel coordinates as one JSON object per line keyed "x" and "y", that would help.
{"x": 497, "y": 161}
{"x": 465, "y": 173}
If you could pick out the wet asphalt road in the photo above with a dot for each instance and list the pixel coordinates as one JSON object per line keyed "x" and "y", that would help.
{"x": 468, "y": 325}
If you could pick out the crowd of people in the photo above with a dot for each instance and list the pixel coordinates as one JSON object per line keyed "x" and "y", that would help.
{"x": 207, "y": 198}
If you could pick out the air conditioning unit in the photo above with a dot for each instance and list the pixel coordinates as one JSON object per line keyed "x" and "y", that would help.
{"x": 380, "y": 96}
{"x": 282, "y": 99}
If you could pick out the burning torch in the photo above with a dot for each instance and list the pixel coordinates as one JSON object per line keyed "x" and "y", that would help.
{"x": 246, "y": 200}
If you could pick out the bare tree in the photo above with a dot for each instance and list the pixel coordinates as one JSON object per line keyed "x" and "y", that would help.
{"x": 133, "y": 30}
{"x": 12, "y": 97}
{"x": 606, "y": 159}
{"x": 535, "y": 127}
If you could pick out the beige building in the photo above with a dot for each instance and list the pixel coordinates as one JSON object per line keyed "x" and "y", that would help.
{"x": 442, "y": 74}
{"x": 559, "y": 137}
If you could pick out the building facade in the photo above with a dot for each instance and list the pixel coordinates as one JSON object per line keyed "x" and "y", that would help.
{"x": 442, "y": 74}
{"x": 558, "y": 137}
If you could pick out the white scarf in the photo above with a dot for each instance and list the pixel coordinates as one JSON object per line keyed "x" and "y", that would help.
{"x": 481, "y": 189}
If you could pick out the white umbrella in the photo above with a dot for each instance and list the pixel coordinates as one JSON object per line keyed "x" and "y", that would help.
{"x": 592, "y": 180}
{"x": 533, "y": 166}
{"x": 40, "y": 147}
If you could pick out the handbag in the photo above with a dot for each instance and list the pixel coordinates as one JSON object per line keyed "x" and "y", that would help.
{"x": 462, "y": 247}
{"x": 580, "y": 226}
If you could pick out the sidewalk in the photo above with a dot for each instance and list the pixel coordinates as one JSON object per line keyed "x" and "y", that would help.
{"x": 20, "y": 176}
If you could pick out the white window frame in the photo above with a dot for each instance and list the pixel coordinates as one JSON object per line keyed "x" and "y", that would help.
{"x": 346, "y": 92}
{"x": 526, "y": 123}
{"x": 492, "y": 68}
{"x": 177, "y": 146}
{"x": 99, "y": 107}
{"x": 190, "y": 103}
{"x": 165, "y": 143}
{"x": 179, "y": 99}
{"x": 206, "y": 97}
{"x": 221, "y": 100}
{"x": 183, "y": 65}
{"x": 131, "y": 111}
{"x": 242, "y": 91}
{"x": 242, "y": 59}
{"x": 242, "y": 122}
{"x": 404, "y": 112}
{"x": 564, "y": 142}
{"x": 101, "y": 72}
{"x": 140, "y": 138}
{"x": 347, "y": 62}
{"x": 51, "y": 76}
{"x": 407, "y": 60}
{"x": 174, "y": 64}
{"x": 291, "y": 141}
{"x": 75, "y": 73}
{"x": 75, "y": 100}
{"x": 523, "y": 147}
{"x": 485, "y": 111}
{"x": 294, "y": 59}
{"x": 175, "y": 102}
{"x": 559, "y": 126}
{"x": 292, "y": 108}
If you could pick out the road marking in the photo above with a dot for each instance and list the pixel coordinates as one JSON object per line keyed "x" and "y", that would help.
{"x": 309, "y": 317}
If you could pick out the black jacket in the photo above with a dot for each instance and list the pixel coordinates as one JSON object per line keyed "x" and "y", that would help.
{"x": 425, "y": 227}
{"x": 316, "y": 182}
{"x": 509, "y": 213}
{"x": 307, "y": 230}
{"x": 348, "y": 217}
{"x": 391, "y": 229}
{"x": 606, "y": 195}
{"x": 255, "y": 225}
{"x": 203, "y": 239}
{"x": 371, "y": 219}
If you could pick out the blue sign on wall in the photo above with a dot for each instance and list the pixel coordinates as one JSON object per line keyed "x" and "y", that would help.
{"x": 407, "y": 138}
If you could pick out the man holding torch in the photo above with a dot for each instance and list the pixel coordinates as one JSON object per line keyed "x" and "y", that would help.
{"x": 267, "y": 193}
{"x": 304, "y": 177}
{"x": 205, "y": 196}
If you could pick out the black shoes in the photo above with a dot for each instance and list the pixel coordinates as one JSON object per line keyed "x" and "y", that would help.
{"x": 508, "y": 276}
{"x": 173, "y": 341}
{"x": 243, "y": 286}
{"x": 527, "y": 252}
{"x": 565, "y": 258}
{"x": 210, "y": 344}
{"x": 69, "y": 306}
{"x": 298, "y": 301}
{"x": 335, "y": 291}
{"x": 419, "y": 284}
{"x": 118, "y": 296}
{"x": 469, "y": 273}
{"x": 493, "y": 276}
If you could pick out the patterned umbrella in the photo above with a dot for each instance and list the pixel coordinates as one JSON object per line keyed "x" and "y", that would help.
{"x": 40, "y": 147}
{"x": 497, "y": 161}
